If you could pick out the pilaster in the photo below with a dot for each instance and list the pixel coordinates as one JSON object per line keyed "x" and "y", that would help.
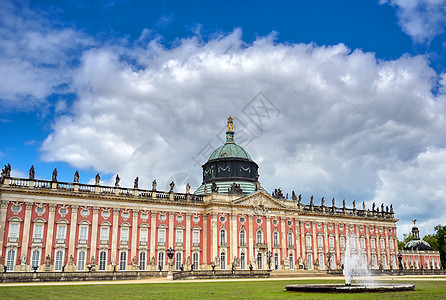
{"x": 283, "y": 236}
{"x": 171, "y": 230}
{"x": 214, "y": 236}
{"x": 49, "y": 236}
{"x": 3, "y": 210}
{"x": 268, "y": 233}
{"x": 26, "y": 231}
{"x": 188, "y": 233}
{"x": 73, "y": 227}
{"x": 135, "y": 213}
{"x": 250, "y": 239}
{"x": 234, "y": 234}
{"x": 115, "y": 228}
{"x": 94, "y": 232}
{"x": 152, "y": 233}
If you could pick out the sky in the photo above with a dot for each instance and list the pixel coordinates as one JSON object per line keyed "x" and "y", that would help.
{"x": 336, "y": 99}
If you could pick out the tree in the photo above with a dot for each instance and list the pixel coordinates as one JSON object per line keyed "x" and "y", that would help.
{"x": 431, "y": 239}
{"x": 440, "y": 233}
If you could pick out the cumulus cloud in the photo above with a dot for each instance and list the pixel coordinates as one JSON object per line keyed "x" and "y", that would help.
{"x": 347, "y": 125}
{"x": 35, "y": 56}
{"x": 422, "y": 20}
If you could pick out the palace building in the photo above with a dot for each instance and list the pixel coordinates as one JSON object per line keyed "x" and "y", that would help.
{"x": 230, "y": 221}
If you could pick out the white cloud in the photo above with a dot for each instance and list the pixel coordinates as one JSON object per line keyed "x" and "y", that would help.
{"x": 350, "y": 125}
{"x": 35, "y": 57}
{"x": 422, "y": 20}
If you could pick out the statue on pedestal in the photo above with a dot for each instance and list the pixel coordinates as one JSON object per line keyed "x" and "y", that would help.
{"x": 76, "y": 177}
{"x": 97, "y": 179}
{"x": 32, "y": 173}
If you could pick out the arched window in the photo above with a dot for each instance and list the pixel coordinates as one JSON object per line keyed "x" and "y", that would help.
{"x": 259, "y": 261}
{"x": 35, "y": 260}
{"x": 362, "y": 243}
{"x": 242, "y": 261}
{"x": 276, "y": 239}
{"x": 160, "y": 261}
{"x": 372, "y": 243}
{"x": 81, "y": 261}
{"x": 222, "y": 237}
{"x": 195, "y": 260}
{"x": 142, "y": 261}
{"x": 59, "y": 260}
{"x": 276, "y": 260}
{"x": 10, "y": 260}
{"x": 259, "y": 237}
{"x": 291, "y": 258}
{"x": 383, "y": 244}
{"x": 102, "y": 260}
{"x": 123, "y": 261}
{"x": 242, "y": 238}
{"x": 178, "y": 260}
{"x": 290, "y": 240}
{"x": 222, "y": 261}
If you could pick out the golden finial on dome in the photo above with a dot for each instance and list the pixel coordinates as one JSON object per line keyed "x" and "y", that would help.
{"x": 414, "y": 221}
{"x": 230, "y": 124}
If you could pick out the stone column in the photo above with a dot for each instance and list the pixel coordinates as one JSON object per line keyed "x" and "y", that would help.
{"x": 115, "y": 228}
{"x": 49, "y": 235}
{"x": 283, "y": 236}
{"x": 326, "y": 245}
{"x": 214, "y": 235}
{"x": 26, "y": 232}
{"x": 72, "y": 240}
{"x": 337, "y": 245}
{"x": 171, "y": 230}
{"x": 188, "y": 234}
{"x": 135, "y": 213}
{"x": 297, "y": 238}
{"x": 152, "y": 234}
{"x": 234, "y": 235}
{"x": 315, "y": 246}
{"x": 378, "y": 244}
{"x": 204, "y": 243}
{"x": 303, "y": 240}
{"x": 3, "y": 210}
{"x": 386, "y": 232}
{"x": 250, "y": 239}
{"x": 268, "y": 233}
{"x": 94, "y": 232}
{"x": 367, "y": 245}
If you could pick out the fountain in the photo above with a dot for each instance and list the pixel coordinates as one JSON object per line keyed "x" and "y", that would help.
{"x": 355, "y": 265}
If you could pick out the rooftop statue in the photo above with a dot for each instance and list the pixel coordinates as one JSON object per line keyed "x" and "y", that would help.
{"x": 32, "y": 173}
{"x": 117, "y": 180}
{"x": 311, "y": 200}
{"x": 172, "y": 185}
{"x": 354, "y": 204}
{"x": 235, "y": 189}
{"x": 136, "y": 183}
{"x": 187, "y": 188}
{"x": 373, "y": 207}
{"x": 76, "y": 177}
{"x": 363, "y": 205}
{"x": 343, "y": 203}
{"x": 323, "y": 201}
{"x": 54, "y": 175}
{"x": 214, "y": 187}
{"x": 154, "y": 185}
{"x": 6, "y": 171}
{"x": 293, "y": 196}
{"x": 299, "y": 201}
{"x": 97, "y": 179}
{"x": 333, "y": 202}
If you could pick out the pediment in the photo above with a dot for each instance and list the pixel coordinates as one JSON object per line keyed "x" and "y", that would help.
{"x": 260, "y": 201}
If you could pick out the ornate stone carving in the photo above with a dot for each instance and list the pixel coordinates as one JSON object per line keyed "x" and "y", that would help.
{"x": 278, "y": 194}
{"x": 187, "y": 188}
{"x": 32, "y": 173}
{"x": 117, "y": 180}
{"x": 214, "y": 187}
{"x": 54, "y": 179}
{"x": 6, "y": 171}
{"x": 97, "y": 179}
{"x": 235, "y": 189}
{"x": 172, "y": 185}
{"x": 136, "y": 183}
{"x": 76, "y": 177}
{"x": 154, "y": 185}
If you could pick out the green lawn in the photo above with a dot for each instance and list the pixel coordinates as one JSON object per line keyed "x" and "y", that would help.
{"x": 271, "y": 289}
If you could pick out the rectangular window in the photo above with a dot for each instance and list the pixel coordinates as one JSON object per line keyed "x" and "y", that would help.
{"x": 309, "y": 242}
{"x": 319, "y": 241}
{"x": 196, "y": 237}
{"x": 124, "y": 234}
{"x": 383, "y": 244}
{"x": 392, "y": 245}
{"x": 104, "y": 234}
{"x": 362, "y": 243}
{"x": 143, "y": 235}
{"x": 179, "y": 235}
{"x": 122, "y": 261}
{"x": 161, "y": 236}
{"x": 13, "y": 230}
{"x": 331, "y": 241}
{"x": 38, "y": 231}
{"x": 102, "y": 260}
{"x": 10, "y": 260}
{"x": 35, "y": 259}
{"x": 142, "y": 261}
{"x": 61, "y": 232}
{"x": 59, "y": 261}
{"x": 83, "y": 232}
{"x": 372, "y": 244}
{"x": 342, "y": 242}
{"x": 81, "y": 261}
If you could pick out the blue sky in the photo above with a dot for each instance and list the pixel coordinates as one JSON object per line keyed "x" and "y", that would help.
{"x": 355, "y": 91}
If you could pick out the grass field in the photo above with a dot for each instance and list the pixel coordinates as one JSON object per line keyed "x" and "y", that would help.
{"x": 268, "y": 289}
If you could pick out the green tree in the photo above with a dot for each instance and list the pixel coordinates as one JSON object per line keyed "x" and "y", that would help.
{"x": 432, "y": 240}
{"x": 440, "y": 233}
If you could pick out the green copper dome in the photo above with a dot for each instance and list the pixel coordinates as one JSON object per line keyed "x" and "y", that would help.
{"x": 230, "y": 150}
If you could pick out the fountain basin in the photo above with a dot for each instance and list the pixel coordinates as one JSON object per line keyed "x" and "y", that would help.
{"x": 354, "y": 288}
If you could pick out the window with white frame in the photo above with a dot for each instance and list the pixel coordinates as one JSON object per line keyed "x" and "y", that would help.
{"x": 142, "y": 260}
{"x": 320, "y": 243}
{"x": 242, "y": 261}
{"x": 383, "y": 244}
{"x": 222, "y": 261}
{"x": 124, "y": 235}
{"x": 392, "y": 245}
{"x": 290, "y": 240}
{"x": 276, "y": 239}
{"x": 259, "y": 261}
{"x": 58, "y": 261}
{"x": 321, "y": 261}
{"x": 331, "y": 242}
{"x": 179, "y": 235}
{"x": 10, "y": 260}
{"x": 38, "y": 231}
{"x": 35, "y": 259}
{"x": 310, "y": 261}
{"x": 123, "y": 261}
{"x": 222, "y": 237}
{"x": 196, "y": 237}
{"x": 178, "y": 260}
{"x": 81, "y": 260}
{"x": 161, "y": 236}
{"x": 83, "y": 233}
{"x": 104, "y": 234}
{"x": 143, "y": 233}
{"x": 160, "y": 261}
{"x": 372, "y": 243}
{"x": 242, "y": 238}
{"x": 195, "y": 260}
{"x": 61, "y": 231}
{"x": 13, "y": 232}
{"x": 342, "y": 240}
{"x": 291, "y": 259}
{"x": 362, "y": 242}
{"x": 308, "y": 241}
{"x": 276, "y": 260}
{"x": 259, "y": 237}
{"x": 102, "y": 260}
